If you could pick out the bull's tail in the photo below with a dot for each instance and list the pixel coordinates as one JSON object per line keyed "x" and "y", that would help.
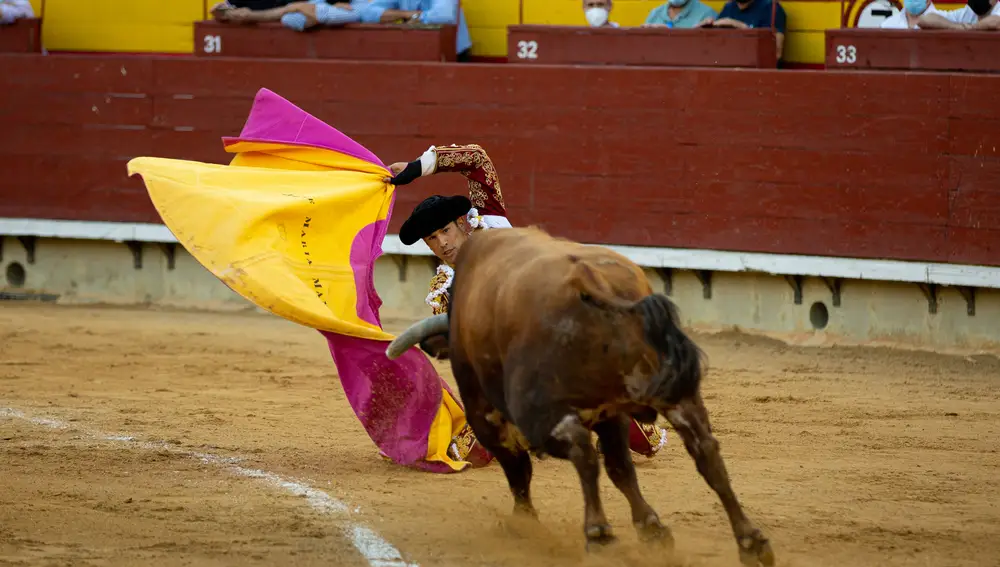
{"x": 680, "y": 359}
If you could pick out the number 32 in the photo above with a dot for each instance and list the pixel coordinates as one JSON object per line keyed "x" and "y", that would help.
{"x": 527, "y": 49}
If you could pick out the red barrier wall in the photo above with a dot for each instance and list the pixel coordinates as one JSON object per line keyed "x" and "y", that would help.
{"x": 868, "y": 165}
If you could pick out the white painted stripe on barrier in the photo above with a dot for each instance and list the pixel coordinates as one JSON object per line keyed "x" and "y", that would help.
{"x": 376, "y": 550}
{"x": 677, "y": 258}
{"x": 781, "y": 264}
{"x": 87, "y": 230}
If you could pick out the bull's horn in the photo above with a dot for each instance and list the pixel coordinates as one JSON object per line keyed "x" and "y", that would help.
{"x": 435, "y": 325}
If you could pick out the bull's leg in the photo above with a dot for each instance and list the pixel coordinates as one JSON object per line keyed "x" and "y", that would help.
{"x": 690, "y": 419}
{"x": 614, "y": 437}
{"x": 494, "y": 432}
{"x": 496, "y": 436}
{"x": 569, "y": 439}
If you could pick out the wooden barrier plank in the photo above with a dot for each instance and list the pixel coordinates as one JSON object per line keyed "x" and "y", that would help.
{"x": 776, "y": 235}
{"x": 200, "y": 113}
{"x": 701, "y": 47}
{"x": 228, "y": 114}
{"x": 806, "y": 167}
{"x": 927, "y": 206}
{"x": 328, "y": 81}
{"x": 977, "y": 208}
{"x": 110, "y": 142}
{"x": 849, "y": 95}
{"x": 31, "y": 106}
{"x": 974, "y": 173}
{"x": 22, "y": 36}
{"x": 928, "y": 50}
{"x": 859, "y": 164}
{"x": 973, "y": 246}
{"x": 74, "y": 187}
{"x": 901, "y": 133}
{"x": 354, "y": 41}
{"x": 76, "y": 73}
{"x": 545, "y": 130}
{"x": 518, "y": 85}
{"x": 972, "y": 96}
{"x": 975, "y": 136}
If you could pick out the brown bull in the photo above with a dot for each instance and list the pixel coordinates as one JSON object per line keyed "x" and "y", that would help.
{"x": 550, "y": 340}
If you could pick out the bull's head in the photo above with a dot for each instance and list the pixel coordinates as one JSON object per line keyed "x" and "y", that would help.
{"x": 417, "y": 333}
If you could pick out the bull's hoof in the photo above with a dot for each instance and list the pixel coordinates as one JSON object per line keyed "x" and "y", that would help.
{"x": 755, "y": 550}
{"x": 599, "y": 537}
{"x": 525, "y": 511}
{"x": 652, "y": 531}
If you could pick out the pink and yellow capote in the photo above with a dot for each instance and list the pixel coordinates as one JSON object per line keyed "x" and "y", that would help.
{"x": 294, "y": 224}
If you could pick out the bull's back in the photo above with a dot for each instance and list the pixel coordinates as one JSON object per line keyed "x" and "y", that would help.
{"x": 519, "y": 278}
{"x": 497, "y": 271}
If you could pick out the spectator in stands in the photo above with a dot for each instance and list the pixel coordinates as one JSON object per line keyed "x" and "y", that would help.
{"x": 977, "y": 15}
{"x": 11, "y": 10}
{"x": 221, "y": 8}
{"x": 598, "y": 13}
{"x": 679, "y": 14}
{"x": 748, "y": 14}
{"x": 434, "y": 12}
{"x": 910, "y": 15}
{"x": 296, "y": 15}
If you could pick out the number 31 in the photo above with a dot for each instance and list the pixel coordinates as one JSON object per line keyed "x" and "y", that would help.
{"x": 213, "y": 44}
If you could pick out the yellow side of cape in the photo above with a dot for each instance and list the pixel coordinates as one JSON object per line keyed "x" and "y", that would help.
{"x": 276, "y": 226}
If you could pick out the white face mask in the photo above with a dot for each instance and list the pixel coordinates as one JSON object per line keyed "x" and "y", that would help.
{"x": 596, "y": 16}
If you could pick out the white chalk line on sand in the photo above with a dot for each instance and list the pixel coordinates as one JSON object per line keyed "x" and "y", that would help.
{"x": 377, "y": 551}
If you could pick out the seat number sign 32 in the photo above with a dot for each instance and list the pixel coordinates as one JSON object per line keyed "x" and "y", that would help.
{"x": 527, "y": 49}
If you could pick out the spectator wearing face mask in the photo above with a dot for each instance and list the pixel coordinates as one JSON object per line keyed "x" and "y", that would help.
{"x": 598, "y": 13}
{"x": 11, "y": 10}
{"x": 750, "y": 14}
{"x": 976, "y": 15}
{"x": 909, "y": 17}
{"x": 679, "y": 14}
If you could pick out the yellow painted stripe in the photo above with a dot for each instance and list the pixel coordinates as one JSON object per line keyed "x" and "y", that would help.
{"x": 489, "y": 42}
{"x": 805, "y": 47}
{"x": 71, "y": 36}
{"x": 492, "y": 14}
{"x": 117, "y": 25}
{"x": 157, "y": 26}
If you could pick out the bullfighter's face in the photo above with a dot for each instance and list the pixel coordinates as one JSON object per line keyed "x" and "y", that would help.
{"x": 446, "y": 242}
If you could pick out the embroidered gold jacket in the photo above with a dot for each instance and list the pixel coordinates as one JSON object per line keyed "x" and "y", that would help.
{"x": 472, "y": 162}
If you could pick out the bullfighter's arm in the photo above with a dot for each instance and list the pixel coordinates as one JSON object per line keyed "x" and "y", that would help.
{"x": 471, "y": 161}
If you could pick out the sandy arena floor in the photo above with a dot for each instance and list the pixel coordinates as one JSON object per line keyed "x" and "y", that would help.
{"x": 115, "y": 426}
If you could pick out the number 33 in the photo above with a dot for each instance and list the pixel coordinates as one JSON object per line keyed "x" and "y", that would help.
{"x": 846, "y": 54}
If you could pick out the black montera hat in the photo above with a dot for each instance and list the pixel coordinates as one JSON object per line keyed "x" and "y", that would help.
{"x": 432, "y": 214}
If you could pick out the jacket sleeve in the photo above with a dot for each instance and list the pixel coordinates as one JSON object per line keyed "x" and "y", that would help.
{"x": 471, "y": 161}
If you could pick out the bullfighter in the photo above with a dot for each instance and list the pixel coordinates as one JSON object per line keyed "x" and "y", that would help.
{"x": 445, "y": 223}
